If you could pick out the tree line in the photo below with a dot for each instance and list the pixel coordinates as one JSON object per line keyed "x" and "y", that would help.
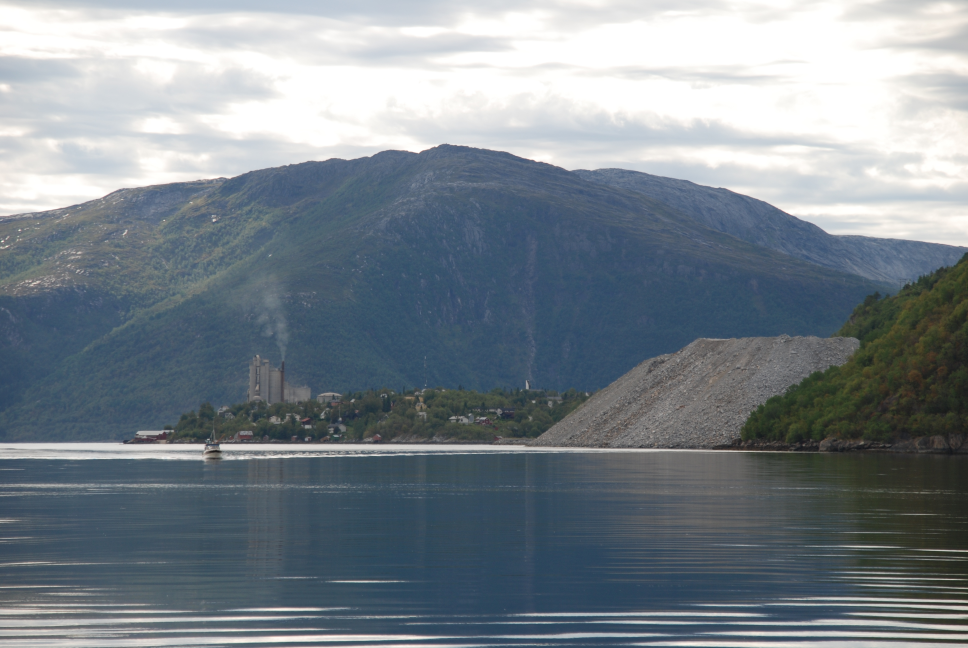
{"x": 908, "y": 379}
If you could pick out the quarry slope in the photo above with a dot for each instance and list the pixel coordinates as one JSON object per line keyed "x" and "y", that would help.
{"x": 892, "y": 261}
{"x": 698, "y": 397}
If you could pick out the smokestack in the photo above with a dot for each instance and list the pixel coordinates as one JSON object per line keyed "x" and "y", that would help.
{"x": 283, "y": 385}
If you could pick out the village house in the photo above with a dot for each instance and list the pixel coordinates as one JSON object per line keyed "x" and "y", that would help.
{"x": 151, "y": 436}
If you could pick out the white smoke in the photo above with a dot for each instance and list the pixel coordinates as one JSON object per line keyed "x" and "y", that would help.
{"x": 273, "y": 320}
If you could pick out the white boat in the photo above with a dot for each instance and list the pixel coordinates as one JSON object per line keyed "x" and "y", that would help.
{"x": 212, "y": 449}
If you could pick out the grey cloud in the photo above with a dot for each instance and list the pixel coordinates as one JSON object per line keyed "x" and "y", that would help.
{"x": 696, "y": 75}
{"x": 952, "y": 40}
{"x": 395, "y": 13}
{"x": 933, "y": 26}
{"x": 899, "y": 9}
{"x": 940, "y": 89}
{"x": 553, "y": 121}
{"x": 102, "y": 97}
{"x": 82, "y": 118}
{"x": 364, "y": 11}
{"x": 304, "y": 43}
{"x": 404, "y": 48}
{"x": 18, "y": 69}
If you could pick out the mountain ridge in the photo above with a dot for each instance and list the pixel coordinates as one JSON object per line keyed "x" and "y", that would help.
{"x": 893, "y": 261}
{"x": 454, "y": 265}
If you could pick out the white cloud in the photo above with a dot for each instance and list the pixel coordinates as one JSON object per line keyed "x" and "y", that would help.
{"x": 850, "y": 114}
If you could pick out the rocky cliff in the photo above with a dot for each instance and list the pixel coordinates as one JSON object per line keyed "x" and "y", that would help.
{"x": 698, "y": 397}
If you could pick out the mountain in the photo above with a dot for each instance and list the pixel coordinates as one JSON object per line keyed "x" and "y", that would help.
{"x": 452, "y": 266}
{"x": 892, "y": 261}
{"x": 909, "y": 378}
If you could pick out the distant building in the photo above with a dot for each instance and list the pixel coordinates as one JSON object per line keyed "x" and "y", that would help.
{"x": 244, "y": 435}
{"x": 267, "y": 384}
{"x": 150, "y": 436}
{"x": 329, "y": 397}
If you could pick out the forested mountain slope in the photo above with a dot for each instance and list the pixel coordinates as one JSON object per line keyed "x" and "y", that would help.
{"x": 909, "y": 378}
{"x": 454, "y": 265}
{"x": 892, "y": 261}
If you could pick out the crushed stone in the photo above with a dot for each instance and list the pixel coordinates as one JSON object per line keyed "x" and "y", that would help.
{"x": 698, "y": 397}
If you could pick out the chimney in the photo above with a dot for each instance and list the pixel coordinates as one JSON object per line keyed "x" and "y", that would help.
{"x": 282, "y": 381}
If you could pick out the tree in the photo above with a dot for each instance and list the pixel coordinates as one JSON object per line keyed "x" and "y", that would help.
{"x": 206, "y": 411}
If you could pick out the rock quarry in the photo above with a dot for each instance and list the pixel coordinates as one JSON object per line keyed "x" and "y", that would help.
{"x": 698, "y": 397}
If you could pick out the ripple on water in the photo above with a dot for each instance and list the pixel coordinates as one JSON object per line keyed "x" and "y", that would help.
{"x": 474, "y": 548}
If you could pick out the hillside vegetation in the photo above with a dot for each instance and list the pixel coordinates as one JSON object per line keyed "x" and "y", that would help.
{"x": 452, "y": 266}
{"x": 909, "y": 378}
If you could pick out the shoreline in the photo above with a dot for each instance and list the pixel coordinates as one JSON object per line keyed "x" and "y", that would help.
{"x": 937, "y": 444}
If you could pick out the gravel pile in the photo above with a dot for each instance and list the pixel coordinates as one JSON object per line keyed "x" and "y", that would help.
{"x": 698, "y": 397}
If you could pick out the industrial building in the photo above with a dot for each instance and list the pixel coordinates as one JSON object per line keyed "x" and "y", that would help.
{"x": 268, "y": 384}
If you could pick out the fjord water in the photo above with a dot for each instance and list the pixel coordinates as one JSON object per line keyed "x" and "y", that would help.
{"x": 103, "y": 546}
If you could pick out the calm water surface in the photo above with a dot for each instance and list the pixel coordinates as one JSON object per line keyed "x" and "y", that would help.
{"x": 109, "y": 546}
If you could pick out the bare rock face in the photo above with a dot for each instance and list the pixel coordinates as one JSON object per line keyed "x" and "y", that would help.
{"x": 698, "y": 397}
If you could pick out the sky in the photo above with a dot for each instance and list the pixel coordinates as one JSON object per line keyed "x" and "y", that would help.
{"x": 851, "y": 115}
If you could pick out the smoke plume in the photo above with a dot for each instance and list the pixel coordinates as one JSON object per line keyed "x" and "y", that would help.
{"x": 273, "y": 320}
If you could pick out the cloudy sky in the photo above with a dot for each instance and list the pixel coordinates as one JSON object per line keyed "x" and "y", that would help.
{"x": 853, "y": 115}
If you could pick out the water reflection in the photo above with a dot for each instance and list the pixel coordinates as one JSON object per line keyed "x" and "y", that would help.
{"x": 462, "y": 549}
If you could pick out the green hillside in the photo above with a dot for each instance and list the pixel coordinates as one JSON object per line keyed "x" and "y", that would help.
{"x": 454, "y": 266}
{"x": 910, "y": 376}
